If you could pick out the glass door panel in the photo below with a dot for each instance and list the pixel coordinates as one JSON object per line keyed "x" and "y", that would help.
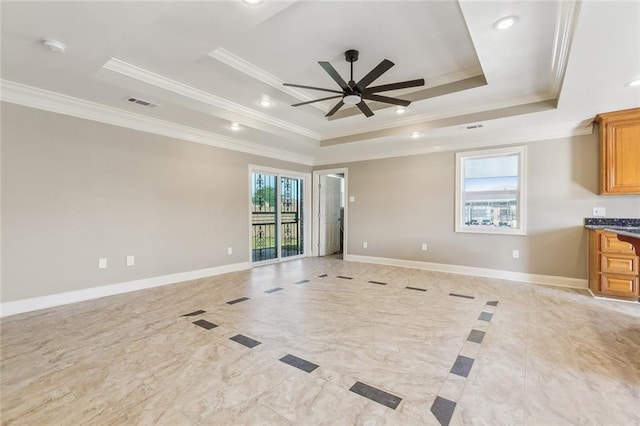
{"x": 264, "y": 217}
{"x": 291, "y": 214}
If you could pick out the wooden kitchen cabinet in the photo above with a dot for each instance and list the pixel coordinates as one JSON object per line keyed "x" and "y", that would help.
{"x": 613, "y": 266}
{"x": 620, "y": 152}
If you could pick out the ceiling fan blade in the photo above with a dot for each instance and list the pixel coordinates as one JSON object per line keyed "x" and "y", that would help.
{"x": 395, "y": 86}
{"x": 380, "y": 69}
{"x": 365, "y": 109}
{"x": 385, "y": 99}
{"x": 311, "y": 87}
{"x": 317, "y": 100}
{"x": 334, "y": 74}
{"x": 335, "y": 108}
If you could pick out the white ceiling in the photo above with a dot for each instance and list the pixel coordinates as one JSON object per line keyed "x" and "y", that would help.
{"x": 207, "y": 64}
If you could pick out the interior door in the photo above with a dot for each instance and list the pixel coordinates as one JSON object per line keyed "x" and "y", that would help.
{"x": 330, "y": 195}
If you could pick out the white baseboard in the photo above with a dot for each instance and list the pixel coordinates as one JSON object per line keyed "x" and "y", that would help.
{"x": 33, "y": 304}
{"x": 471, "y": 270}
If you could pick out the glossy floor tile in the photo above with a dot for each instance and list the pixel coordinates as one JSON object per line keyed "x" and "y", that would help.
{"x": 312, "y": 341}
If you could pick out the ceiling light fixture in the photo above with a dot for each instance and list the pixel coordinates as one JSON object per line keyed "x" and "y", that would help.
{"x": 234, "y": 126}
{"x": 54, "y": 46}
{"x": 252, "y": 2}
{"x": 399, "y": 110}
{"x": 265, "y": 102}
{"x": 634, "y": 83}
{"x": 415, "y": 135}
{"x": 352, "y": 99}
{"x": 506, "y": 22}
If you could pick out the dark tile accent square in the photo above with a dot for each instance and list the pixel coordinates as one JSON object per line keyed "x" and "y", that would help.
{"x": 244, "y": 340}
{"x": 344, "y": 278}
{"x": 485, "y": 316}
{"x": 273, "y": 290}
{"x": 493, "y": 303}
{"x": 416, "y": 288}
{"x": 377, "y": 282}
{"x": 300, "y": 363}
{"x": 323, "y": 275}
{"x": 476, "y": 336}
{"x": 205, "y": 324}
{"x": 233, "y": 302}
{"x": 442, "y": 409}
{"x": 462, "y": 366}
{"x": 301, "y": 282}
{"x": 461, "y": 295}
{"x": 375, "y": 394}
{"x": 194, "y": 313}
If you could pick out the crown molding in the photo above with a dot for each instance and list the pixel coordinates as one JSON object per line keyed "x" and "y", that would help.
{"x": 148, "y": 77}
{"x": 259, "y": 74}
{"x": 479, "y": 140}
{"x": 565, "y": 29}
{"x": 462, "y": 109}
{"x": 20, "y": 94}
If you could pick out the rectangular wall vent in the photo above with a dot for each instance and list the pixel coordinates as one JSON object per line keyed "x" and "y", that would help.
{"x": 475, "y": 126}
{"x": 141, "y": 102}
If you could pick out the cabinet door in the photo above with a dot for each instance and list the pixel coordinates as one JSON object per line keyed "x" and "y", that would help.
{"x": 610, "y": 243}
{"x": 619, "y": 285}
{"x": 620, "y": 152}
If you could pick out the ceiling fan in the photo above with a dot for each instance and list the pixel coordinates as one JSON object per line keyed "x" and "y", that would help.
{"x": 353, "y": 93}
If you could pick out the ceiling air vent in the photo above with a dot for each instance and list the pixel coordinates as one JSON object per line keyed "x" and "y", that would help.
{"x": 142, "y": 102}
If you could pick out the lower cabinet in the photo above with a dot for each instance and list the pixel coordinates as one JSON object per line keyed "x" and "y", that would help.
{"x": 613, "y": 266}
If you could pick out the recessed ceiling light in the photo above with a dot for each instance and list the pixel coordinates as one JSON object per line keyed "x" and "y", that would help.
{"x": 634, "y": 83}
{"x": 399, "y": 110}
{"x": 252, "y": 2}
{"x": 234, "y": 126}
{"x": 506, "y": 22}
{"x": 54, "y": 46}
{"x": 265, "y": 102}
{"x": 415, "y": 135}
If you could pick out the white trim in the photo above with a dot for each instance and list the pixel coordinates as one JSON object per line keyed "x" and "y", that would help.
{"x": 50, "y": 101}
{"x": 611, "y": 298}
{"x": 565, "y": 28}
{"x": 36, "y": 303}
{"x": 474, "y": 271}
{"x": 148, "y": 77}
{"x": 259, "y": 74}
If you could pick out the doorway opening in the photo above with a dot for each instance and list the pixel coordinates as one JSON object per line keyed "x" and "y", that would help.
{"x": 331, "y": 212}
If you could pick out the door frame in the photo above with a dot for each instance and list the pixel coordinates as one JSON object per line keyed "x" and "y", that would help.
{"x": 316, "y": 208}
{"x": 306, "y": 227}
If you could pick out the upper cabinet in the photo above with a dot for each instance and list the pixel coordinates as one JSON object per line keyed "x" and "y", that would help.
{"x": 620, "y": 152}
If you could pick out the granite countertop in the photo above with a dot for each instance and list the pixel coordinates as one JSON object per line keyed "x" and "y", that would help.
{"x": 629, "y": 227}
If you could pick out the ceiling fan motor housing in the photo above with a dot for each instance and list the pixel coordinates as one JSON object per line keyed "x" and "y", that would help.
{"x": 351, "y": 55}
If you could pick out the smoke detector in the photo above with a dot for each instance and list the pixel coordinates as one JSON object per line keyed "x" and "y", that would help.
{"x": 54, "y": 46}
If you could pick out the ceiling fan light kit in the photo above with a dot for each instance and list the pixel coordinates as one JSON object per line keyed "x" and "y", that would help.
{"x": 353, "y": 93}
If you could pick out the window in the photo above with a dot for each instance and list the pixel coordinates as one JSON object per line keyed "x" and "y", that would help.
{"x": 490, "y": 191}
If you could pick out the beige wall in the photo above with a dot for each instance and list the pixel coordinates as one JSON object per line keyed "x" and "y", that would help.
{"x": 75, "y": 190}
{"x": 403, "y": 202}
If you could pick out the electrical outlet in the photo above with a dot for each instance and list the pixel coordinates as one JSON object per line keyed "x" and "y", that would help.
{"x": 365, "y": 245}
{"x": 515, "y": 254}
{"x": 102, "y": 263}
{"x": 229, "y": 251}
{"x": 352, "y": 199}
{"x": 131, "y": 260}
{"x": 424, "y": 246}
{"x": 599, "y": 211}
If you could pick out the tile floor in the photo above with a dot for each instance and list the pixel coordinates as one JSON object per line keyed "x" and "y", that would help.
{"x": 369, "y": 348}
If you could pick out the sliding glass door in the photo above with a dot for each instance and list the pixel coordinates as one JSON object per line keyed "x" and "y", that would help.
{"x": 277, "y": 216}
